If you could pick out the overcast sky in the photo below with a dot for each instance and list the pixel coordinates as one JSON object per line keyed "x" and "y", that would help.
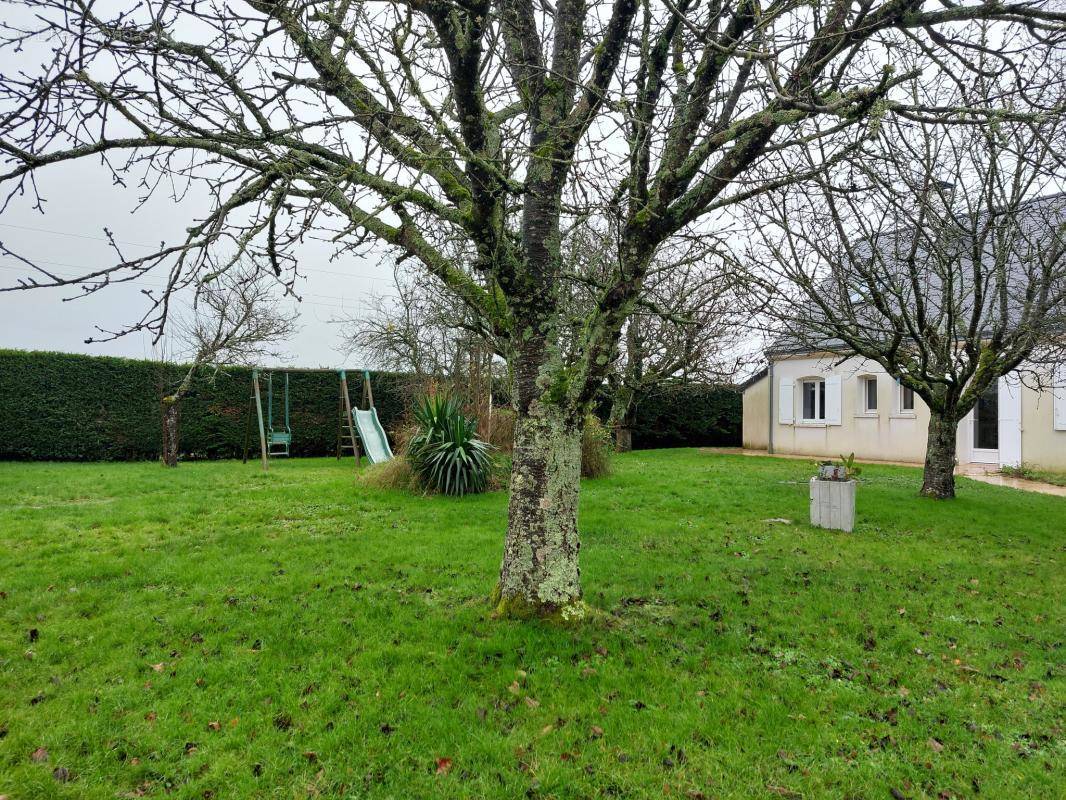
{"x": 69, "y": 238}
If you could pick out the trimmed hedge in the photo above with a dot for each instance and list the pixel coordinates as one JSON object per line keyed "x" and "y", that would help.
{"x": 66, "y": 407}
{"x": 689, "y": 415}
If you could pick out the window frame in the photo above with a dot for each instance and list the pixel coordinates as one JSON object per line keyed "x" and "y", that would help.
{"x": 819, "y": 401}
{"x": 865, "y": 410}
{"x": 901, "y": 404}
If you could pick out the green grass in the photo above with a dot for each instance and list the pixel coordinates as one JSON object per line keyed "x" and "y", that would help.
{"x": 1034, "y": 474}
{"x": 339, "y": 638}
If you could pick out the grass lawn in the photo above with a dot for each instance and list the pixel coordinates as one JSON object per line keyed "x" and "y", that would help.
{"x": 215, "y": 632}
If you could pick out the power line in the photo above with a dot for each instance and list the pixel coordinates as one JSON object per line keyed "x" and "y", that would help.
{"x": 342, "y": 300}
{"x": 151, "y": 246}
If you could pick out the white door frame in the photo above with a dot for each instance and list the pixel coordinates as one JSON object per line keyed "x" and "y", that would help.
{"x": 1009, "y": 426}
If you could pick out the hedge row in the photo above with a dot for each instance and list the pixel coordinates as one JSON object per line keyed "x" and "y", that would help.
{"x": 689, "y": 415}
{"x": 66, "y": 407}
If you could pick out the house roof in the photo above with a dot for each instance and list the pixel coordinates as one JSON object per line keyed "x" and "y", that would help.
{"x": 754, "y": 379}
{"x": 893, "y": 247}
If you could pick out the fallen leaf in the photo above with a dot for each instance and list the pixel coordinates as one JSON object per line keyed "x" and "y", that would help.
{"x": 214, "y": 725}
{"x": 39, "y": 755}
{"x": 596, "y": 731}
{"x": 783, "y": 791}
{"x": 444, "y": 766}
{"x": 514, "y": 688}
{"x": 311, "y": 756}
{"x": 282, "y": 722}
{"x": 150, "y": 716}
{"x": 158, "y": 667}
{"x": 546, "y": 730}
{"x": 936, "y": 745}
{"x": 532, "y": 702}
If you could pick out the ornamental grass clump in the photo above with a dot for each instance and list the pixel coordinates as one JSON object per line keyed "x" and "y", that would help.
{"x": 446, "y": 452}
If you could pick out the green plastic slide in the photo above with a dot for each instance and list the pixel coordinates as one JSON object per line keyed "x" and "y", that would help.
{"x": 372, "y": 435}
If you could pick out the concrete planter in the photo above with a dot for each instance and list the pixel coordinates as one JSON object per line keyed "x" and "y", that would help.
{"x": 833, "y": 504}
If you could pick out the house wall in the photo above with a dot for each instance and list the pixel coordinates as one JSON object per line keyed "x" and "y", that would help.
{"x": 888, "y": 435}
{"x": 757, "y": 415}
{"x": 1042, "y": 445}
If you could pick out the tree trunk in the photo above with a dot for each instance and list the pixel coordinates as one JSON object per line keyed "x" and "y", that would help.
{"x": 939, "y": 478}
{"x": 170, "y": 432}
{"x": 621, "y": 420}
{"x": 540, "y": 574}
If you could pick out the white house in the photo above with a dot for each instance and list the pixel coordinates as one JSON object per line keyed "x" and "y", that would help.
{"x": 816, "y": 404}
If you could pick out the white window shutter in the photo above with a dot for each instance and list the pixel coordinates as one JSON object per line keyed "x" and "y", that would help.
{"x": 1009, "y": 393}
{"x": 785, "y": 400}
{"x": 832, "y": 400}
{"x": 1059, "y": 393}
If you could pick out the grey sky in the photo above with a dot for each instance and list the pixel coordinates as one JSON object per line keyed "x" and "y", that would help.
{"x": 69, "y": 238}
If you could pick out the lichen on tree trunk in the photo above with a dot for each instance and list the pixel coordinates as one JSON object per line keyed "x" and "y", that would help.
{"x": 540, "y": 575}
{"x": 938, "y": 481}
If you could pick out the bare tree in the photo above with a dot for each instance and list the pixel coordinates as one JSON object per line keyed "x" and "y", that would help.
{"x": 235, "y": 319}
{"x": 939, "y": 252}
{"x": 498, "y": 125}
{"x": 691, "y": 327}
{"x": 421, "y": 329}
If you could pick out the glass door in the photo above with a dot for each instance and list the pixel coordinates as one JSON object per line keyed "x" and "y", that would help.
{"x": 986, "y": 427}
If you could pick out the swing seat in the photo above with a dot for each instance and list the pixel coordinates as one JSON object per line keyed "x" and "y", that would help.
{"x": 278, "y": 443}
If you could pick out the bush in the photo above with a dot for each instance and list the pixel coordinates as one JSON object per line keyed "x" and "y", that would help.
{"x": 501, "y": 435}
{"x": 595, "y": 449}
{"x": 446, "y": 453}
{"x": 396, "y": 473}
{"x": 689, "y": 415}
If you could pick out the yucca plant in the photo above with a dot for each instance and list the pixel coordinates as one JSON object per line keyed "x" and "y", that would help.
{"x": 446, "y": 452}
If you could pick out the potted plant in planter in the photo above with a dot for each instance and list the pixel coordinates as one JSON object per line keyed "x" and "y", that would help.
{"x": 833, "y": 494}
